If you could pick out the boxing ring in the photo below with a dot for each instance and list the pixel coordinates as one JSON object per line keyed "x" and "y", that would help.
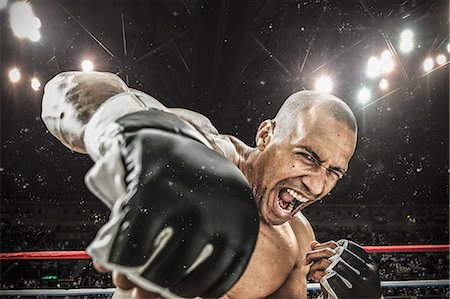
{"x": 81, "y": 255}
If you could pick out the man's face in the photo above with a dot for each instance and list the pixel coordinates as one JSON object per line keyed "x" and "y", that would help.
{"x": 301, "y": 166}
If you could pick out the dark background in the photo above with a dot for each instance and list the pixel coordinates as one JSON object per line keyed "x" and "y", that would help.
{"x": 236, "y": 62}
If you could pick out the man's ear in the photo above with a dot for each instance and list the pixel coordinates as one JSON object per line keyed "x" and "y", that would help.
{"x": 264, "y": 134}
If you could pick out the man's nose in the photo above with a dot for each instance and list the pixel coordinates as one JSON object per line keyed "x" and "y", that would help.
{"x": 315, "y": 183}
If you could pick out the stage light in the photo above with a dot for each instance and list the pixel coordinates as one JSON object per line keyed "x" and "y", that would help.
{"x": 324, "y": 84}
{"x": 448, "y": 48}
{"x": 3, "y": 3}
{"x": 428, "y": 64}
{"x": 373, "y": 67}
{"x": 23, "y": 22}
{"x": 35, "y": 84}
{"x": 34, "y": 36}
{"x": 406, "y": 41}
{"x": 406, "y": 45}
{"x": 87, "y": 65}
{"x": 14, "y": 75}
{"x": 441, "y": 59}
{"x": 384, "y": 84}
{"x": 387, "y": 62}
{"x": 406, "y": 34}
{"x": 364, "y": 95}
{"x": 386, "y": 55}
{"x": 36, "y": 22}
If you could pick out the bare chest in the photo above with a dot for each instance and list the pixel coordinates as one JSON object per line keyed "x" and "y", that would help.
{"x": 274, "y": 258}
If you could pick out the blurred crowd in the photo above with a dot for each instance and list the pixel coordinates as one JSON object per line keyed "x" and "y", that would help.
{"x": 34, "y": 274}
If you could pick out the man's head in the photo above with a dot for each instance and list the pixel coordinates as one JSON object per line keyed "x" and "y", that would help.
{"x": 301, "y": 154}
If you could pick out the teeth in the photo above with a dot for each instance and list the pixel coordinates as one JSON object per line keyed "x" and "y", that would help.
{"x": 297, "y": 196}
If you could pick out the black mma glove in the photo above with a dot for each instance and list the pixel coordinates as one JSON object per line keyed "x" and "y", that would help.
{"x": 187, "y": 224}
{"x": 352, "y": 273}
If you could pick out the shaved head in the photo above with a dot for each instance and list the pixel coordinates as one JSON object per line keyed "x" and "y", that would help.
{"x": 302, "y": 101}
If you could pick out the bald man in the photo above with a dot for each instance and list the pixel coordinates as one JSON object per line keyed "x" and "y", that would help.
{"x": 299, "y": 157}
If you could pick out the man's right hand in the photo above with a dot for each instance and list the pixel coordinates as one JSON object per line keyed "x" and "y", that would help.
{"x": 187, "y": 224}
{"x": 343, "y": 269}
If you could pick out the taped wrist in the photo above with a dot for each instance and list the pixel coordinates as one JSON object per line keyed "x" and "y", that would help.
{"x": 351, "y": 274}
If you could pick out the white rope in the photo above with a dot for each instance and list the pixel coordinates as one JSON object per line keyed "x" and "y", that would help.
{"x": 109, "y": 291}
{"x": 400, "y": 284}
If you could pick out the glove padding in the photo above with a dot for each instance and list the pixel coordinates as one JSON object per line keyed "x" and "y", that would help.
{"x": 351, "y": 274}
{"x": 187, "y": 225}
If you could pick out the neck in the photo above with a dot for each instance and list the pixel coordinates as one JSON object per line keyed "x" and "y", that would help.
{"x": 247, "y": 162}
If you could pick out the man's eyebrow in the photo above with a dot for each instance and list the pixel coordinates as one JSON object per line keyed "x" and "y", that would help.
{"x": 311, "y": 152}
{"x": 316, "y": 156}
{"x": 338, "y": 169}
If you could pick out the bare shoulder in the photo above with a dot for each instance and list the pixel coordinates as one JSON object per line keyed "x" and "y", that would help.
{"x": 223, "y": 144}
{"x": 201, "y": 122}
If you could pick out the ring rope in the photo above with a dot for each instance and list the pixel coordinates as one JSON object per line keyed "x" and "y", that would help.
{"x": 68, "y": 255}
{"x": 109, "y": 291}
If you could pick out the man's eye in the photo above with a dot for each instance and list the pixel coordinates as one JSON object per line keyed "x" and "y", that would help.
{"x": 337, "y": 174}
{"x": 308, "y": 157}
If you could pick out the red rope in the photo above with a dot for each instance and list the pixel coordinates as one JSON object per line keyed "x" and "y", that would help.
{"x": 408, "y": 248}
{"x": 45, "y": 255}
{"x": 79, "y": 255}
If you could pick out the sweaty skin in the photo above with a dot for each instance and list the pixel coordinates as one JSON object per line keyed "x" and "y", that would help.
{"x": 282, "y": 160}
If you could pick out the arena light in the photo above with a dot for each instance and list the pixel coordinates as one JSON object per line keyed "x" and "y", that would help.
{"x": 3, "y": 3}
{"x": 364, "y": 95}
{"x": 87, "y": 65}
{"x": 324, "y": 84}
{"x": 387, "y": 62}
{"x": 406, "y": 45}
{"x": 428, "y": 64}
{"x": 441, "y": 59}
{"x": 373, "y": 67}
{"x": 406, "y": 41}
{"x": 14, "y": 75}
{"x": 35, "y": 84}
{"x": 384, "y": 84}
{"x": 34, "y": 36}
{"x": 406, "y": 34}
{"x": 23, "y": 22}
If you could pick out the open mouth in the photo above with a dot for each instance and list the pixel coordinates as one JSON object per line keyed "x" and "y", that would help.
{"x": 288, "y": 200}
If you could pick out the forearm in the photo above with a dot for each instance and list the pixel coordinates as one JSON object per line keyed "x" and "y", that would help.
{"x": 71, "y": 98}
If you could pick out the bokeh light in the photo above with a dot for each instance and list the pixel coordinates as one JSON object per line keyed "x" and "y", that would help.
{"x": 441, "y": 59}
{"x": 406, "y": 46}
{"x": 373, "y": 67}
{"x": 364, "y": 95}
{"x": 35, "y": 84}
{"x": 428, "y": 64}
{"x": 23, "y": 22}
{"x": 14, "y": 75}
{"x": 324, "y": 84}
{"x": 406, "y": 41}
{"x": 87, "y": 65}
{"x": 34, "y": 36}
{"x": 387, "y": 63}
{"x": 384, "y": 84}
{"x": 406, "y": 34}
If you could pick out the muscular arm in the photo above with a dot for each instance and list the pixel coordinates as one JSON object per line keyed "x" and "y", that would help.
{"x": 296, "y": 284}
{"x": 72, "y": 99}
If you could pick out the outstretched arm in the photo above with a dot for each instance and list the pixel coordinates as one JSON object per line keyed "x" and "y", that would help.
{"x": 71, "y": 98}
